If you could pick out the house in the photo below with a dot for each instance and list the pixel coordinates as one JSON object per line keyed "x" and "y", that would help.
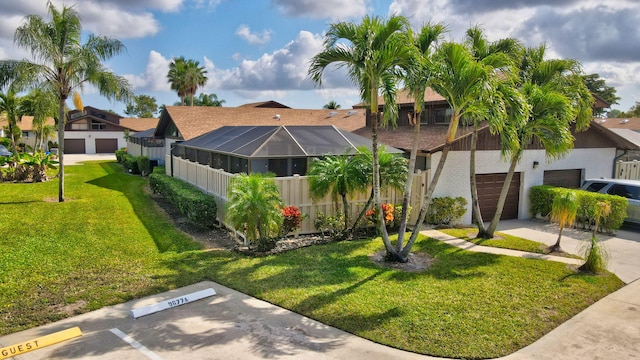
{"x": 626, "y": 131}
{"x": 593, "y": 156}
{"x": 281, "y": 149}
{"x": 92, "y": 130}
{"x": 182, "y": 123}
{"x": 29, "y": 132}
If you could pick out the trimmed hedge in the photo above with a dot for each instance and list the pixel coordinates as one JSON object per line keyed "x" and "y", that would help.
{"x": 120, "y": 153}
{"x": 144, "y": 165}
{"x": 446, "y": 210}
{"x": 541, "y": 197}
{"x": 193, "y": 203}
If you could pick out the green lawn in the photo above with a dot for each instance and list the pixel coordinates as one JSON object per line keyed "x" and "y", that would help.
{"x": 107, "y": 244}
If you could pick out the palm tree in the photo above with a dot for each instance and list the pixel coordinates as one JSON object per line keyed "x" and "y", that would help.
{"x": 10, "y": 110}
{"x": 564, "y": 210}
{"x": 417, "y": 76}
{"x": 470, "y": 88}
{"x": 42, "y": 105}
{"x": 393, "y": 172}
{"x": 186, "y": 76}
{"x": 255, "y": 206}
{"x": 558, "y": 98}
{"x": 338, "y": 175}
{"x": 371, "y": 51}
{"x": 62, "y": 64}
{"x": 332, "y": 105}
{"x": 503, "y": 56}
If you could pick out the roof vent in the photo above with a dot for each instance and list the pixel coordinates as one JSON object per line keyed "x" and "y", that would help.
{"x": 333, "y": 113}
{"x": 602, "y": 121}
{"x": 624, "y": 121}
{"x": 352, "y": 112}
{"x": 277, "y": 117}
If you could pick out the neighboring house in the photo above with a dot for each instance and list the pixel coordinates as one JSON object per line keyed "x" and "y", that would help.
{"x": 591, "y": 157}
{"x": 180, "y": 123}
{"x": 626, "y": 131}
{"x": 282, "y": 150}
{"x": 28, "y": 131}
{"x": 94, "y": 131}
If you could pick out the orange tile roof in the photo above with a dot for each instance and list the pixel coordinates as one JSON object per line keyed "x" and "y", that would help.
{"x": 193, "y": 121}
{"x": 139, "y": 124}
{"x": 26, "y": 124}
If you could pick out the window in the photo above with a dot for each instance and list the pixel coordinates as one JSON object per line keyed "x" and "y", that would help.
{"x": 626, "y": 191}
{"x": 76, "y": 126}
{"x": 25, "y": 134}
{"x": 98, "y": 126}
{"x": 596, "y": 186}
{"x": 442, "y": 116}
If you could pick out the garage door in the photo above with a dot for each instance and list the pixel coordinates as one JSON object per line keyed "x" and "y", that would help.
{"x": 74, "y": 146}
{"x": 489, "y": 187}
{"x": 571, "y": 179}
{"x": 106, "y": 146}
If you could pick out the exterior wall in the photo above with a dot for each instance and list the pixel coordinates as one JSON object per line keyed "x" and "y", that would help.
{"x": 153, "y": 153}
{"x": 90, "y": 136}
{"x": 454, "y": 180}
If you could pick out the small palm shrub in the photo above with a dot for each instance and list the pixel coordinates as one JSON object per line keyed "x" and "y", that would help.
{"x": 254, "y": 207}
{"x": 563, "y": 211}
{"x": 596, "y": 256}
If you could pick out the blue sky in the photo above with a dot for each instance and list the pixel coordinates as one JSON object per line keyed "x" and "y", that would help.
{"x": 257, "y": 50}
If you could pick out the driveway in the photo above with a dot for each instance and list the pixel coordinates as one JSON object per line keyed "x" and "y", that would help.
{"x": 77, "y": 159}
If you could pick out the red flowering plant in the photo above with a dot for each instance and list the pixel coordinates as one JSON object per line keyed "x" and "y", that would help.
{"x": 292, "y": 219}
{"x": 387, "y": 211}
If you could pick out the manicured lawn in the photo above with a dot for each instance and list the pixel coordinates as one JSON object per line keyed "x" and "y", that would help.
{"x": 107, "y": 244}
{"x": 504, "y": 241}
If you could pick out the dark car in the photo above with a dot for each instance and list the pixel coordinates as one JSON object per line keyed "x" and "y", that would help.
{"x": 4, "y": 151}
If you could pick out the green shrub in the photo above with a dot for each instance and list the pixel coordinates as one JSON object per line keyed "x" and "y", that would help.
{"x": 144, "y": 165}
{"x": 193, "y": 203}
{"x": 120, "y": 153}
{"x": 541, "y": 197}
{"x": 5, "y": 141}
{"x": 131, "y": 164}
{"x": 333, "y": 226}
{"x": 446, "y": 210}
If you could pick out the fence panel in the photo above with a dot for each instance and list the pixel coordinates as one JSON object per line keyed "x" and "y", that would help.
{"x": 629, "y": 170}
{"x": 294, "y": 191}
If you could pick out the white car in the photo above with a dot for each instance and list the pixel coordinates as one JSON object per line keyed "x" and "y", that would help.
{"x": 629, "y": 189}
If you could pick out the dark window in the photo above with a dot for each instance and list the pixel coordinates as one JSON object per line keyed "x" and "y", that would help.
{"x": 239, "y": 165}
{"x": 278, "y": 167}
{"x": 299, "y": 166}
{"x": 627, "y": 191}
{"x": 98, "y": 126}
{"x": 596, "y": 186}
{"x": 190, "y": 154}
{"x": 442, "y": 116}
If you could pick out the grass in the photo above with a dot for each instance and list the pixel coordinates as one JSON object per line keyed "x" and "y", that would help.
{"x": 107, "y": 244}
{"x": 504, "y": 241}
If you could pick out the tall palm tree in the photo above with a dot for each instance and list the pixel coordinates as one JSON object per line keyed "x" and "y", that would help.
{"x": 62, "y": 63}
{"x": 176, "y": 76}
{"x": 470, "y": 88}
{"x": 194, "y": 77}
{"x": 10, "y": 110}
{"x": 418, "y": 73}
{"x": 558, "y": 98}
{"x": 339, "y": 176}
{"x": 371, "y": 51}
{"x": 331, "y": 105}
{"x": 503, "y": 55}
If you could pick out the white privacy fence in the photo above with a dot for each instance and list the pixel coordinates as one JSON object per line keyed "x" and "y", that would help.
{"x": 293, "y": 189}
{"x": 629, "y": 170}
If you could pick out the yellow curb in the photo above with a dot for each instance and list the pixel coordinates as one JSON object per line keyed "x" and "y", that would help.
{"x": 35, "y": 344}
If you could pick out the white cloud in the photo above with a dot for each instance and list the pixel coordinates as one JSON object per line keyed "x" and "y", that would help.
{"x": 331, "y": 9}
{"x": 109, "y": 20}
{"x": 154, "y": 78}
{"x": 244, "y": 32}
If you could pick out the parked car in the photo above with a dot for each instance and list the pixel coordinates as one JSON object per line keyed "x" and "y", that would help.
{"x": 629, "y": 189}
{"x": 4, "y": 151}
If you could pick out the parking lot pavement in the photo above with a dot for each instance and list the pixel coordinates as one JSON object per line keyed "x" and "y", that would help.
{"x": 228, "y": 325}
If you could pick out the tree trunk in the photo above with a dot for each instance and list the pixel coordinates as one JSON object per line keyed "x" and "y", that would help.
{"x": 61, "y": 122}
{"x": 12, "y": 137}
{"x": 475, "y": 206}
{"x": 408, "y": 185}
{"x": 345, "y": 205}
{"x": 364, "y": 210}
{"x": 556, "y": 246}
{"x": 490, "y": 231}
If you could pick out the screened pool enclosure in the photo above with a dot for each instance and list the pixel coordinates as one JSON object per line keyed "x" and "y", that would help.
{"x": 283, "y": 150}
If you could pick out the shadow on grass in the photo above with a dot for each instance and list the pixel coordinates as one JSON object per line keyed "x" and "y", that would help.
{"x": 143, "y": 206}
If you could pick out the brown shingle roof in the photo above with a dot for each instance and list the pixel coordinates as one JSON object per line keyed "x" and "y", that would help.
{"x": 620, "y": 123}
{"x": 266, "y": 104}
{"x": 139, "y": 124}
{"x": 403, "y": 98}
{"x": 432, "y": 138}
{"x": 26, "y": 124}
{"x": 193, "y": 121}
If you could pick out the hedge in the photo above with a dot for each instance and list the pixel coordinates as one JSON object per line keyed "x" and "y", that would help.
{"x": 541, "y": 197}
{"x": 193, "y": 203}
{"x": 446, "y": 210}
